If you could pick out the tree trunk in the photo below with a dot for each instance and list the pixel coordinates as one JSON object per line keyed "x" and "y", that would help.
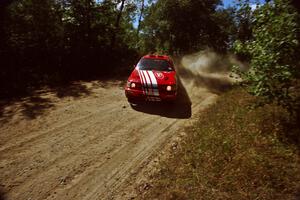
{"x": 140, "y": 19}
{"x": 117, "y": 24}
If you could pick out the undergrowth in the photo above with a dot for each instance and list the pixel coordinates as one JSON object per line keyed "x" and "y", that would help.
{"x": 234, "y": 152}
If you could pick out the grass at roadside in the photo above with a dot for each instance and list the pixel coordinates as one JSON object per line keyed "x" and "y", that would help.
{"x": 234, "y": 152}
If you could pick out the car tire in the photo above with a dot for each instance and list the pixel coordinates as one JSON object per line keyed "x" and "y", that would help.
{"x": 133, "y": 104}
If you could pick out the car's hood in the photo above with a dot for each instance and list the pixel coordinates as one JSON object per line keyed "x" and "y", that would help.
{"x": 153, "y": 76}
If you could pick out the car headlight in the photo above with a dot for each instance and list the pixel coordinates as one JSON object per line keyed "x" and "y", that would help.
{"x": 132, "y": 85}
{"x": 169, "y": 88}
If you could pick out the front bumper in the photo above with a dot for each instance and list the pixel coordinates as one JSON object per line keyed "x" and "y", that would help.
{"x": 134, "y": 95}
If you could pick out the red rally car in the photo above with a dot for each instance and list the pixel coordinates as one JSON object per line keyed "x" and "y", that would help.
{"x": 153, "y": 79}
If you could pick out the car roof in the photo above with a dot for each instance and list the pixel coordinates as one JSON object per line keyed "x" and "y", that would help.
{"x": 154, "y": 56}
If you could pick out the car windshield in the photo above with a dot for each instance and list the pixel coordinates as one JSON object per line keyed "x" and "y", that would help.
{"x": 154, "y": 64}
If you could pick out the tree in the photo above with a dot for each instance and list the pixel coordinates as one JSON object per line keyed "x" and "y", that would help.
{"x": 273, "y": 52}
{"x": 117, "y": 23}
{"x": 184, "y": 26}
{"x": 32, "y": 31}
{"x": 244, "y": 20}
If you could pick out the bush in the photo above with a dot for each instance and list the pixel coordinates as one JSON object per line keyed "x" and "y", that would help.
{"x": 273, "y": 52}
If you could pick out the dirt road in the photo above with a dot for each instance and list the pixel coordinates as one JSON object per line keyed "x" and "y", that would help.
{"x": 84, "y": 141}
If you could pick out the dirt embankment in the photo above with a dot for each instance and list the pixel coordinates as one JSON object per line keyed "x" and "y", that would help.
{"x": 84, "y": 141}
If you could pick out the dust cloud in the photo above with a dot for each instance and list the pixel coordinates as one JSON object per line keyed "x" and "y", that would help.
{"x": 210, "y": 70}
{"x": 208, "y": 61}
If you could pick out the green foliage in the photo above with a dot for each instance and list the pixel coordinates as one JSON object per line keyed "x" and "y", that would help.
{"x": 185, "y": 26}
{"x": 45, "y": 41}
{"x": 273, "y": 52}
{"x": 243, "y": 17}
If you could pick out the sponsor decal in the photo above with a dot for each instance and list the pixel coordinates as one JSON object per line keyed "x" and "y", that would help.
{"x": 159, "y": 75}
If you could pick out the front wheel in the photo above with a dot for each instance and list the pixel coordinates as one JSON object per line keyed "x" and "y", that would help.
{"x": 133, "y": 105}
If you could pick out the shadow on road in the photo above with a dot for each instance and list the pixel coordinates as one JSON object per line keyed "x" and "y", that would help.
{"x": 35, "y": 106}
{"x": 180, "y": 109}
{"x": 2, "y": 195}
{"x": 39, "y": 101}
{"x": 75, "y": 90}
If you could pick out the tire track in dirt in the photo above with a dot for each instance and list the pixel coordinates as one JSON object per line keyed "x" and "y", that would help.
{"x": 58, "y": 150}
{"x": 135, "y": 150}
{"x": 70, "y": 159}
{"x": 38, "y": 134}
{"x": 39, "y": 147}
